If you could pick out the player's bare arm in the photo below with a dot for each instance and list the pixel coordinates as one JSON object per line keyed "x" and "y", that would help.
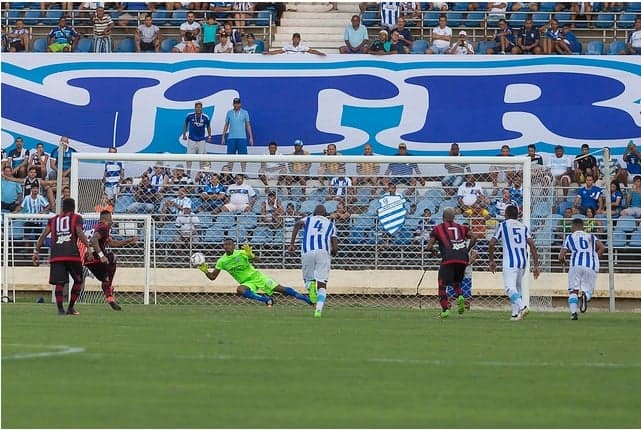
{"x": 490, "y": 255}
{"x": 83, "y": 238}
{"x": 334, "y": 245}
{"x": 536, "y": 271}
{"x": 35, "y": 258}
{"x": 473, "y": 238}
{"x": 600, "y": 248}
{"x": 562, "y": 255}
{"x": 119, "y": 243}
{"x": 292, "y": 242}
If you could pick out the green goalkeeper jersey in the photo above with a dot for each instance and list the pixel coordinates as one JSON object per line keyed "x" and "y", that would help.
{"x": 237, "y": 265}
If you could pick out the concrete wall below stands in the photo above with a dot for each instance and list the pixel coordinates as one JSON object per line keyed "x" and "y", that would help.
{"x": 390, "y": 282}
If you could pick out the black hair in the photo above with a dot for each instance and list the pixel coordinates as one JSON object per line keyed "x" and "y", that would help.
{"x": 69, "y": 205}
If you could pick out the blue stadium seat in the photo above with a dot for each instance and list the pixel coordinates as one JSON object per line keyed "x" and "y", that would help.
{"x": 540, "y": 18}
{"x": 460, "y": 6}
{"x": 605, "y": 20}
{"x": 483, "y": 46}
{"x": 474, "y": 19}
{"x": 308, "y": 206}
{"x": 331, "y": 205}
{"x": 247, "y": 220}
{"x": 206, "y": 220}
{"x": 32, "y": 16}
{"x": 260, "y": 46}
{"x": 262, "y": 236}
{"x": 214, "y": 234}
{"x": 34, "y": 5}
{"x": 167, "y": 44}
{"x": 39, "y": 45}
{"x": 626, "y": 224}
{"x": 370, "y": 18}
{"x": 159, "y": 17}
{"x": 52, "y": 16}
{"x": 633, "y": 7}
{"x": 616, "y": 47}
{"x": 547, "y": 6}
{"x": 12, "y": 16}
{"x": 85, "y": 44}
{"x": 279, "y": 236}
{"x": 454, "y": 19}
{"x": 403, "y": 237}
{"x": 366, "y": 221}
{"x": 418, "y": 47}
{"x": 619, "y": 239}
{"x": 626, "y": 20}
{"x": 430, "y": 19}
{"x": 225, "y": 219}
{"x": 635, "y": 240}
{"x": 357, "y": 235}
{"x": 263, "y": 17}
{"x": 178, "y": 17}
{"x": 563, "y": 17}
{"x": 595, "y": 47}
{"x": 126, "y": 45}
{"x": 517, "y": 19}
{"x": 372, "y": 208}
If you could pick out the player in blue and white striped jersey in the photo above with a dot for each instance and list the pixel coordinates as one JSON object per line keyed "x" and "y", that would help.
{"x": 114, "y": 174}
{"x": 584, "y": 265}
{"x": 318, "y": 246}
{"x": 516, "y": 239}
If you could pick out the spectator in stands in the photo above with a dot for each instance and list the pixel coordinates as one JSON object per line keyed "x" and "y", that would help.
{"x": 175, "y": 206}
{"x": 396, "y": 45}
{"x": 496, "y": 11}
{"x": 298, "y": 172}
{"x": 462, "y": 46}
{"x": 251, "y": 47}
{"x": 410, "y": 12}
{"x": 180, "y": 178}
{"x": 424, "y": 228}
{"x": 32, "y": 181}
{"x": 560, "y": 167}
{"x": 503, "y": 39}
{"x": 455, "y": 172}
{"x": 632, "y": 158}
{"x": 145, "y": 197}
{"x": 272, "y": 170}
{"x": 535, "y": 158}
{"x": 113, "y": 175}
{"x": 294, "y": 48}
{"x": 193, "y": 28}
{"x": 634, "y": 41}
{"x": 289, "y": 220}
{"x": 341, "y": 189}
{"x": 235, "y": 37}
{"x": 585, "y": 164}
{"x": 391, "y": 190}
{"x": 326, "y": 170}
{"x": 105, "y": 204}
{"x": 39, "y": 160}
{"x": 226, "y": 178}
{"x": 198, "y": 125}
{"x": 497, "y": 208}
{"x": 356, "y": 38}
{"x": 240, "y": 12}
{"x": 5, "y": 159}
{"x": 390, "y": 12}
{"x": 241, "y": 196}
{"x": 404, "y": 35}
{"x": 589, "y": 196}
{"x": 11, "y": 191}
{"x": 18, "y": 38}
{"x": 239, "y": 127}
{"x": 565, "y": 225}
{"x": 203, "y": 176}
{"x": 591, "y": 224}
{"x": 212, "y": 196}
{"x": 581, "y": 10}
{"x": 633, "y": 199}
{"x": 529, "y": 39}
{"x": 516, "y": 191}
{"x": 66, "y": 160}
{"x": 616, "y": 198}
{"x": 381, "y": 46}
{"x": 341, "y": 218}
{"x": 367, "y": 173}
{"x": 221, "y": 9}
{"x": 159, "y": 179}
{"x": 34, "y": 203}
{"x": 570, "y": 44}
{"x": 224, "y": 45}
{"x": 403, "y": 173}
{"x": 187, "y": 226}
{"x": 279, "y": 7}
{"x": 441, "y": 36}
{"x": 125, "y": 21}
{"x": 470, "y": 194}
{"x": 210, "y": 33}
{"x": 62, "y": 38}
{"x": 271, "y": 211}
{"x": 147, "y": 36}
{"x": 102, "y": 27}
{"x": 18, "y": 159}
{"x": 502, "y": 173}
{"x": 552, "y": 37}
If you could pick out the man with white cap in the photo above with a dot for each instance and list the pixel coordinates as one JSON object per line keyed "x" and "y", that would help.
{"x": 187, "y": 225}
{"x": 462, "y": 46}
{"x": 381, "y": 46}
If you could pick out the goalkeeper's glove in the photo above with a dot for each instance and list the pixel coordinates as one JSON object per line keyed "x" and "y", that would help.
{"x": 204, "y": 268}
{"x": 248, "y": 250}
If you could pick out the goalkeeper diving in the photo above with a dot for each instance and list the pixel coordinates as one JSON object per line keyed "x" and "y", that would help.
{"x": 238, "y": 263}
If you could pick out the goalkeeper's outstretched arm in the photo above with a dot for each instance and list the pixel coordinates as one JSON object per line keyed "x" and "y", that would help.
{"x": 211, "y": 275}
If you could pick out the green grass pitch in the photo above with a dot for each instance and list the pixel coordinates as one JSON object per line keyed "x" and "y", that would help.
{"x": 229, "y": 366}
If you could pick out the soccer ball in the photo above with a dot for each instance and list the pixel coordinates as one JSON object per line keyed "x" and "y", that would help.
{"x": 197, "y": 258}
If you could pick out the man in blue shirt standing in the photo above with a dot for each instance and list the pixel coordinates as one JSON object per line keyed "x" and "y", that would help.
{"x": 197, "y": 122}
{"x": 589, "y": 196}
{"x": 239, "y": 128}
{"x": 66, "y": 160}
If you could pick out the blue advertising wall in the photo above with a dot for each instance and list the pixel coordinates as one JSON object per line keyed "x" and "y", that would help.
{"x": 139, "y": 101}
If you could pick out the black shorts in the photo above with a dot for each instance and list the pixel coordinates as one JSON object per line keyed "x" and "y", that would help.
{"x": 147, "y": 46}
{"x": 17, "y": 45}
{"x": 102, "y": 270}
{"x": 59, "y": 272}
{"x": 451, "y": 273}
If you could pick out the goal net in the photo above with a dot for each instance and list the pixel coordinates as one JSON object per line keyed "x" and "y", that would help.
{"x": 19, "y": 277}
{"x": 384, "y": 208}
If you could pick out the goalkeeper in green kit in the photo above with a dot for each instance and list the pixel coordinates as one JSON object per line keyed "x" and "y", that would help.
{"x": 238, "y": 264}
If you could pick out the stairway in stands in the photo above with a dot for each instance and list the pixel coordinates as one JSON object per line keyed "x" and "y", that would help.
{"x": 319, "y": 27}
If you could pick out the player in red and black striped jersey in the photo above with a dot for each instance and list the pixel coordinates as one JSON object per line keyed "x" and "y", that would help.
{"x": 103, "y": 263}
{"x": 454, "y": 250}
{"x": 64, "y": 260}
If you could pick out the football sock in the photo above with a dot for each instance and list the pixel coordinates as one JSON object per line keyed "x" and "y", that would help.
{"x": 442, "y": 295}
{"x": 289, "y": 291}
{"x": 106, "y": 289}
{"x": 457, "y": 289}
{"x": 515, "y": 299}
{"x": 75, "y": 292}
{"x": 60, "y": 296}
{"x": 320, "y": 302}
{"x": 253, "y": 296}
{"x": 573, "y": 302}
{"x": 588, "y": 295}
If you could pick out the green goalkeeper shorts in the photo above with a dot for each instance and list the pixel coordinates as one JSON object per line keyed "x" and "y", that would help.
{"x": 260, "y": 281}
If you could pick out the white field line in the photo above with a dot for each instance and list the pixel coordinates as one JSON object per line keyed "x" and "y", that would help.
{"x": 409, "y": 361}
{"x": 57, "y": 350}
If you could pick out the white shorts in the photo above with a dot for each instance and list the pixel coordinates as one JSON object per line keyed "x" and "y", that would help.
{"x": 195, "y": 147}
{"x": 581, "y": 278}
{"x": 316, "y": 265}
{"x": 236, "y": 207}
{"x": 513, "y": 279}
